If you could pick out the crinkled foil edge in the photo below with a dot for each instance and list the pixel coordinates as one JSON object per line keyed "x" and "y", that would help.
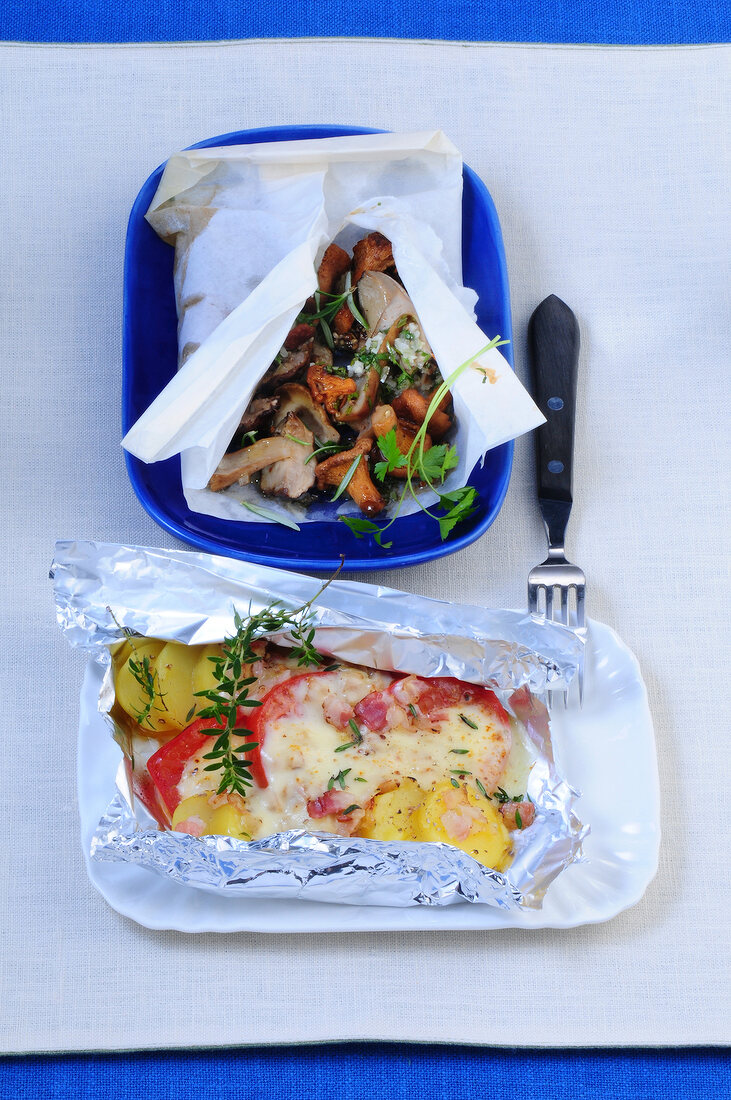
{"x": 102, "y": 588}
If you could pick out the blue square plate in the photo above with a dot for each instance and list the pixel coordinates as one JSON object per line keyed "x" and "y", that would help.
{"x": 150, "y": 361}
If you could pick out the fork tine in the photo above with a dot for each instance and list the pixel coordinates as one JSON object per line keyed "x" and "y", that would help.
{"x": 548, "y": 613}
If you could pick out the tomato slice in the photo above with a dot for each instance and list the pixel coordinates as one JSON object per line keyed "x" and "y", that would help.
{"x": 281, "y": 699}
{"x": 144, "y": 791}
{"x": 431, "y": 696}
{"x": 167, "y": 765}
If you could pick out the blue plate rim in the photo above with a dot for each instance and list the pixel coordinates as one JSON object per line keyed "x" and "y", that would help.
{"x": 350, "y": 564}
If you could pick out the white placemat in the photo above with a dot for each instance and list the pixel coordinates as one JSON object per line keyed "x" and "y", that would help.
{"x": 608, "y": 169}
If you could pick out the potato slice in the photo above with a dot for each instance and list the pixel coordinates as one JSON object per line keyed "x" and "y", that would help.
{"x": 175, "y": 667}
{"x": 204, "y": 677}
{"x": 392, "y": 815}
{"x": 195, "y": 815}
{"x": 462, "y": 818}
{"x": 130, "y": 695}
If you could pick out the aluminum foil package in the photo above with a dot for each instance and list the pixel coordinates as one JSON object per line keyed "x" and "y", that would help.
{"x": 105, "y": 590}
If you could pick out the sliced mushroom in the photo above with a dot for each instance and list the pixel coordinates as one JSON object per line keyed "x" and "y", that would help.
{"x": 333, "y": 265}
{"x": 257, "y": 412}
{"x": 412, "y": 405}
{"x": 241, "y": 465}
{"x": 298, "y": 336}
{"x": 288, "y": 368}
{"x": 360, "y": 487}
{"x": 378, "y": 293}
{"x": 372, "y": 253}
{"x": 321, "y": 353}
{"x": 329, "y": 389}
{"x": 355, "y": 408}
{"x": 294, "y": 476}
{"x": 384, "y": 419}
{"x": 296, "y": 398}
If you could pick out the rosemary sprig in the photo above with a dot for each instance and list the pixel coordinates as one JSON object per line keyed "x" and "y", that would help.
{"x": 233, "y": 682}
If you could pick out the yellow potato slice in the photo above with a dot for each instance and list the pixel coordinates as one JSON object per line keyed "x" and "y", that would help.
{"x": 130, "y": 695}
{"x": 462, "y": 818}
{"x": 175, "y": 666}
{"x": 204, "y": 676}
{"x": 199, "y": 818}
{"x": 392, "y": 814}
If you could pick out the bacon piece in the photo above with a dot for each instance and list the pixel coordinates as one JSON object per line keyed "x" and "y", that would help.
{"x": 331, "y": 802}
{"x": 526, "y": 810}
{"x": 372, "y": 253}
{"x": 333, "y": 265}
{"x": 338, "y": 712}
{"x": 373, "y": 710}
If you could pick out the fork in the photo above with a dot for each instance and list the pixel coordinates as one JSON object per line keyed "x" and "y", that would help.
{"x": 556, "y": 589}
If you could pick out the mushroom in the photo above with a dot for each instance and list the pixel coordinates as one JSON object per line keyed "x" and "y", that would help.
{"x": 360, "y": 487}
{"x": 372, "y": 253}
{"x": 298, "y": 336}
{"x": 291, "y": 477}
{"x": 384, "y": 419}
{"x": 297, "y": 399}
{"x": 241, "y": 465}
{"x": 413, "y": 406}
{"x": 384, "y": 303}
{"x": 290, "y": 364}
{"x": 257, "y": 412}
{"x": 329, "y": 389}
{"x": 353, "y": 408}
{"x": 333, "y": 265}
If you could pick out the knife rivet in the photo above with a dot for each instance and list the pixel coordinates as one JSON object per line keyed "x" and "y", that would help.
{"x": 555, "y": 467}
{"x": 555, "y": 403}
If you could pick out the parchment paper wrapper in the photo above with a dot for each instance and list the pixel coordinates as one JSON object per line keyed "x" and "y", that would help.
{"x": 191, "y": 598}
{"x": 250, "y": 224}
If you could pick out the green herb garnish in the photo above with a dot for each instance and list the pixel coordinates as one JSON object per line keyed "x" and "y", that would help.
{"x": 339, "y": 778}
{"x": 481, "y": 789}
{"x": 468, "y": 722}
{"x": 518, "y": 819}
{"x": 460, "y": 752}
{"x": 231, "y": 690}
{"x": 350, "y": 809}
{"x": 427, "y": 467}
{"x": 454, "y": 782}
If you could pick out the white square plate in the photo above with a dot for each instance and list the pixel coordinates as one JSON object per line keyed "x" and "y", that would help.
{"x": 606, "y": 750}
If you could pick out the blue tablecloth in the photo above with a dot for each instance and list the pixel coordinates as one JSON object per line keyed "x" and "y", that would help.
{"x": 356, "y": 1070}
{"x": 613, "y": 21}
{"x": 382, "y": 1072}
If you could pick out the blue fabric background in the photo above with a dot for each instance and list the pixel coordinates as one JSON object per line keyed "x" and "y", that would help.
{"x": 614, "y": 21}
{"x": 355, "y": 1071}
{"x": 382, "y": 1071}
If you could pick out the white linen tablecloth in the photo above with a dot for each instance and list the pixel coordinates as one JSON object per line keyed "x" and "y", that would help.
{"x": 609, "y": 171}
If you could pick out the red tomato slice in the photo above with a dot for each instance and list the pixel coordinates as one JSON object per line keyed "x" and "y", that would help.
{"x": 431, "y": 696}
{"x": 144, "y": 790}
{"x": 167, "y": 765}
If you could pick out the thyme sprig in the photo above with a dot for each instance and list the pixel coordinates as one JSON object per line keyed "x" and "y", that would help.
{"x": 146, "y": 677}
{"x": 234, "y": 681}
{"x": 424, "y": 468}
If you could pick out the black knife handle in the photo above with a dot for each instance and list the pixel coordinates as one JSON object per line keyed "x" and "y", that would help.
{"x": 553, "y": 335}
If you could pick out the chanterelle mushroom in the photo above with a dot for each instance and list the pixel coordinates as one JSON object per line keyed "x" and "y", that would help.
{"x": 360, "y": 487}
{"x": 291, "y": 477}
{"x": 384, "y": 419}
{"x": 412, "y": 405}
